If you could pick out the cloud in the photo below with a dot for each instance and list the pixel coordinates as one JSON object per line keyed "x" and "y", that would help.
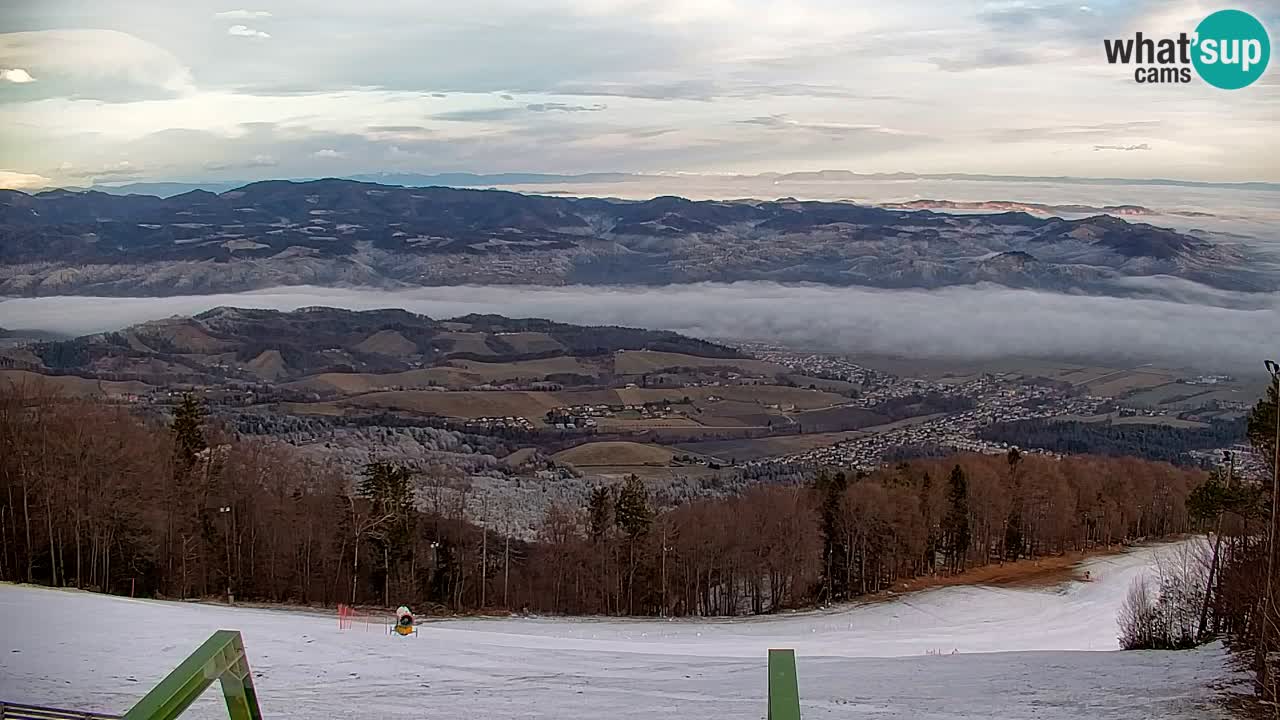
{"x": 257, "y": 161}
{"x": 95, "y": 64}
{"x": 1076, "y": 131}
{"x": 242, "y": 15}
{"x": 16, "y": 75}
{"x": 783, "y": 122}
{"x": 328, "y": 153}
{"x": 968, "y": 323}
{"x": 479, "y": 114}
{"x": 989, "y": 58}
{"x": 1123, "y": 148}
{"x": 247, "y": 32}
{"x": 10, "y": 180}
{"x": 562, "y": 107}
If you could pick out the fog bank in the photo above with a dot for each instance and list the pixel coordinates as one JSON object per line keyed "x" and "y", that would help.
{"x": 970, "y": 323}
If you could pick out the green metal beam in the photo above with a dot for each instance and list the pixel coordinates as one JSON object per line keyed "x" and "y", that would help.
{"x": 784, "y": 692}
{"x": 221, "y": 658}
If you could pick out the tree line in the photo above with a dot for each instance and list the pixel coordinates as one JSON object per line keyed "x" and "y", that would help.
{"x": 95, "y": 497}
{"x": 1150, "y": 441}
{"x": 1243, "y": 599}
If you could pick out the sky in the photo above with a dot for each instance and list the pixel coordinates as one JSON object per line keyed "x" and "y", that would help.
{"x": 112, "y": 91}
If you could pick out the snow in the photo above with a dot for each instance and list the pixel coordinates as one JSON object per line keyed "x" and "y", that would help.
{"x": 1006, "y": 654}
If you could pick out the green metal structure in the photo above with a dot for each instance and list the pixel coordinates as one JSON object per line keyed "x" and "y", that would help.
{"x": 220, "y": 658}
{"x": 784, "y": 691}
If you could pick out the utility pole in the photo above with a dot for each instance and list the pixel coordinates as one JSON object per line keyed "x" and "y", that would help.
{"x": 484, "y": 549}
{"x": 664, "y": 570}
{"x": 225, "y": 511}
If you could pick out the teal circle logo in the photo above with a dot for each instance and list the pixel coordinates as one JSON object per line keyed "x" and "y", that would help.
{"x": 1231, "y": 50}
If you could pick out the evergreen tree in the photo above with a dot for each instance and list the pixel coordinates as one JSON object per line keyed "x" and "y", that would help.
{"x": 1262, "y": 426}
{"x": 633, "y": 513}
{"x": 956, "y": 524}
{"x": 835, "y": 552}
{"x": 389, "y": 490}
{"x": 188, "y": 429}
{"x": 1013, "y": 540}
{"x": 634, "y": 517}
{"x": 930, "y": 523}
{"x": 599, "y": 513}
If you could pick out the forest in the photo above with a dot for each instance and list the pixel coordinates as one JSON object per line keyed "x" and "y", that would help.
{"x": 1153, "y": 442}
{"x": 94, "y": 497}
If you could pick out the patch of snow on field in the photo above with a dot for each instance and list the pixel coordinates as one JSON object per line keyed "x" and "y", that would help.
{"x": 1020, "y": 653}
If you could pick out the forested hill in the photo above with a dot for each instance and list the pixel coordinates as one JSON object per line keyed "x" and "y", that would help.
{"x": 1154, "y": 442}
{"x": 236, "y": 344}
{"x": 343, "y": 233}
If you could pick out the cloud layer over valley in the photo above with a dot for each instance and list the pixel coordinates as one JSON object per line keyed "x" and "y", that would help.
{"x": 1233, "y": 332}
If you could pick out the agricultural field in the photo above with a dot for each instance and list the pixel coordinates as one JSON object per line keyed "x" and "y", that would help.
{"x": 615, "y": 453}
{"x": 531, "y": 405}
{"x": 72, "y": 386}
{"x": 748, "y": 449}
{"x": 639, "y": 362}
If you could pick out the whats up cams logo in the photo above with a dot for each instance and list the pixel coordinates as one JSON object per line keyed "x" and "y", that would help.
{"x": 1229, "y": 50}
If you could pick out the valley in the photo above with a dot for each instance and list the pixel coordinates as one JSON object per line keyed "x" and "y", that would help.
{"x": 535, "y": 412}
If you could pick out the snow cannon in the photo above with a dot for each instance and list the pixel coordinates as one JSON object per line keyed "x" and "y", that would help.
{"x": 404, "y": 622}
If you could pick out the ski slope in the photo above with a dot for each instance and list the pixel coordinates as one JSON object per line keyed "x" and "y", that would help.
{"x": 1008, "y": 654}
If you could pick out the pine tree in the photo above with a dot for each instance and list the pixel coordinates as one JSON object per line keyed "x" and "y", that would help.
{"x": 188, "y": 429}
{"x": 835, "y": 553}
{"x": 1262, "y": 426}
{"x": 1013, "y": 540}
{"x": 956, "y": 524}
{"x": 634, "y": 517}
{"x": 599, "y": 513}
{"x": 389, "y": 490}
{"x": 930, "y": 523}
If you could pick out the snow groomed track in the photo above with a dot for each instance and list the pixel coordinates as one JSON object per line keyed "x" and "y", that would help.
{"x": 964, "y": 652}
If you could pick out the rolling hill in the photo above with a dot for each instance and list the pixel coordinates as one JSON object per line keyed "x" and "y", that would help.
{"x": 342, "y": 232}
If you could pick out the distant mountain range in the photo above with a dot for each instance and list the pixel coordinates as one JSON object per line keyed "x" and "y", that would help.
{"x": 469, "y": 180}
{"x": 343, "y": 232}
{"x": 1041, "y": 208}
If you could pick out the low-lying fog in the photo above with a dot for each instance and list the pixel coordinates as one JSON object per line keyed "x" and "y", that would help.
{"x": 1208, "y": 329}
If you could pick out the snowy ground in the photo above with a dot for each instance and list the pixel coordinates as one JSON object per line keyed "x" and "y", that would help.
{"x": 1017, "y": 654}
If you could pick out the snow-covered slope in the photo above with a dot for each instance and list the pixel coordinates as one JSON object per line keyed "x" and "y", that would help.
{"x": 1007, "y": 654}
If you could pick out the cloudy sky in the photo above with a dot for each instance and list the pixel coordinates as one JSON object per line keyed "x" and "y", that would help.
{"x": 124, "y": 90}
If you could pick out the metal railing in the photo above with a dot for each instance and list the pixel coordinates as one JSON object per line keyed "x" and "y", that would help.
{"x": 19, "y": 711}
{"x": 222, "y": 659}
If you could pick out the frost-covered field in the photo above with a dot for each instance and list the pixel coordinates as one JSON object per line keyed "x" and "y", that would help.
{"x": 1008, "y": 654}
